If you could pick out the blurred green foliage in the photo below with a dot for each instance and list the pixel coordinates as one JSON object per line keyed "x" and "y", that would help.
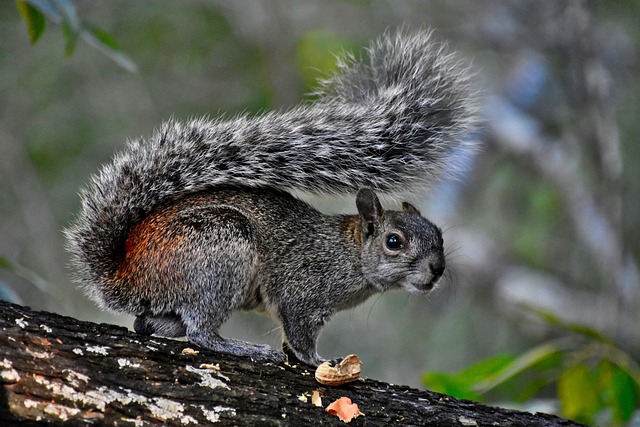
{"x": 317, "y": 56}
{"x": 33, "y": 18}
{"x": 63, "y": 13}
{"x": 595, "y": 382}
{"x": 535, "y": 210}
{"x": 541, "y": 215}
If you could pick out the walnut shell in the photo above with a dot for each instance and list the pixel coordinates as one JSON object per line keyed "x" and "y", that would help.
{"x": 334, "y": 374}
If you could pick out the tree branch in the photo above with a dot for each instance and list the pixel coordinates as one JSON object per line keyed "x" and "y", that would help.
{"x": 59, "y": 370}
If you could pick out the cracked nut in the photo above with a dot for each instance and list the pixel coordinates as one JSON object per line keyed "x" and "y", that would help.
{"x": 337, "y": 372}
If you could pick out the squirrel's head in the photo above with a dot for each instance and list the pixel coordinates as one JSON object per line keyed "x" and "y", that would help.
{"x": 400, "y": 249}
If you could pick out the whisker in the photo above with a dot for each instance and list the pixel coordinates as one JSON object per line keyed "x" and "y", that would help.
{"x": 373, "y": 305}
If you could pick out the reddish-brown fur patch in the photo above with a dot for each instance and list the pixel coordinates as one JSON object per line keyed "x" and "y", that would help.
{"x": 152, "y": 251}
{"x": 353, "y": 230}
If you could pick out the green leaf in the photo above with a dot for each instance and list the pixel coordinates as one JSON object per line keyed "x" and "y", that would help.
{"x": 450, "y": 384}
{"x": 625, "y": 362}
{"x": 105, "y": 38}
{"x": 108, "y": 45}
{"x": 35, "y": 20}
{"x": 623, "y": 394}
{"x": 462, "y": 384}
{"x": 530, "y": 389}
{"x": 548, "y": 354}
{"x": 70, "y": 36}
{"x": 579, "y": 391}
{"x": 577, "y": 328}
{"x": 490, "y": 366}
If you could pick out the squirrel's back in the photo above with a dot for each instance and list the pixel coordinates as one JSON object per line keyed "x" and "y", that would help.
{"x": 391, "y": 122}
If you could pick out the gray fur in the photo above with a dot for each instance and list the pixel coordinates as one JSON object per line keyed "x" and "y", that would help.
{"x": 389, "y": 123}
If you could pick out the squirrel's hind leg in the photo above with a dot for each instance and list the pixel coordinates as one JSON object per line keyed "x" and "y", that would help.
{"x": 257, "y": 353}
{"x": 166, "y": 325}
{"x": 222, "y": 274}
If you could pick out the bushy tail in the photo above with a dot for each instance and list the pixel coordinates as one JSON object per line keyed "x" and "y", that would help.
{"x": 390, "y": 122}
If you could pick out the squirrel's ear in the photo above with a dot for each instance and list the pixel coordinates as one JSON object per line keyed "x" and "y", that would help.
{"x": 410, "y": 209}
{"x": 369, "y": 209}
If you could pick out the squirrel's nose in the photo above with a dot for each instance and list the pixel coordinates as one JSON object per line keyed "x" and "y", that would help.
{"x": 437, "y": 268}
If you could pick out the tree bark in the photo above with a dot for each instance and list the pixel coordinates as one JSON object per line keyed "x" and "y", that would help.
{"x": 57, "y": 370}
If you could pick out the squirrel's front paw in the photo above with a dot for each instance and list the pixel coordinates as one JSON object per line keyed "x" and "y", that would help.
{"x": 312, "y": 360}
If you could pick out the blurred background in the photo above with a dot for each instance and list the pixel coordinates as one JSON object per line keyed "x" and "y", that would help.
{"x": 547, "y": 216}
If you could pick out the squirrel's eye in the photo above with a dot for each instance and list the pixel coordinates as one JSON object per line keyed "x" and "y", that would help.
{"x": 394, "y": 242}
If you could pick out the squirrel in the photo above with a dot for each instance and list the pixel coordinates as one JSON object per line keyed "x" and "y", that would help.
{"x": 198, "y": 221}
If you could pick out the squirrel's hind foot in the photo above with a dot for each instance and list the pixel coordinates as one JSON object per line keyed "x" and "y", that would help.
{"x": 258, "y": 353}
{"x": 166, "y": 325}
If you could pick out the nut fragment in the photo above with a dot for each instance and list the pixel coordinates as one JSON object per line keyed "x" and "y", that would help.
{"x": 346, "y": 370}
{"x": 215, "y": 367}
{"x": 316, "y": 399}
{"x": 344, "y": 409}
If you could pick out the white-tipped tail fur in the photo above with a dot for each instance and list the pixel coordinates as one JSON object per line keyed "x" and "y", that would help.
{"x": 390, "y": 122}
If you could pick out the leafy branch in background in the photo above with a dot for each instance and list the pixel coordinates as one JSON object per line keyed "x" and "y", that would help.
{"x": 63, "y": 12}
{"x": 595, "y": 381}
